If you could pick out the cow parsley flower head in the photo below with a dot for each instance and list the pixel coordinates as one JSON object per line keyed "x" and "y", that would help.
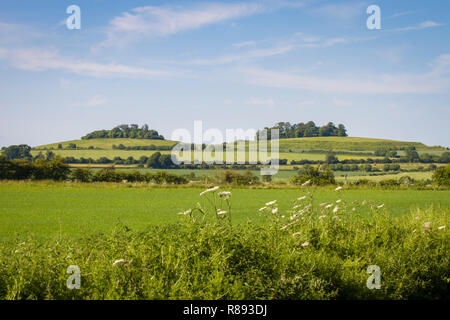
{"x": 209, "y": 190}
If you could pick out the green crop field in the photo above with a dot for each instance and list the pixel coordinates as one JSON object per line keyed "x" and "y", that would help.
{"x": 45, "y": 209}
{"x": 108, "y": 143}
{"x": 349, "y": 144}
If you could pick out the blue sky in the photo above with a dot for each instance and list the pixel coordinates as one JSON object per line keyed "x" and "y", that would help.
{"x": 231, "y": 64}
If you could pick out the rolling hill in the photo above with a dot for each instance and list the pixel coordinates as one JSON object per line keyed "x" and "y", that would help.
{"x": 311, "y": 148}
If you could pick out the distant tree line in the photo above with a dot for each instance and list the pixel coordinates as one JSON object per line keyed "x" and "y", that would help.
{"x": 309, "y": 129}
{"x": 125, "y": 131}
{"x": 20, "y": 169}
{"x": 56, "y": 169}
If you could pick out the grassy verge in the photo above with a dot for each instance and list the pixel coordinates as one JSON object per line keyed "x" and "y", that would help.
{"x": 323, "y": 255}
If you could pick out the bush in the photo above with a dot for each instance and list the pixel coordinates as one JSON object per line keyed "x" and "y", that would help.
{"x": 316, "y": 176}
{"x": 82, "y": 174}
{"x": 441, "y": 176}
{"x": 233, "y": 177}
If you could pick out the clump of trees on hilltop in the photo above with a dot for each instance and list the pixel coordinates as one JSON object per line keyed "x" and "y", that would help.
{"x": 309, "y": 129}
{"x": 125, "y": 131}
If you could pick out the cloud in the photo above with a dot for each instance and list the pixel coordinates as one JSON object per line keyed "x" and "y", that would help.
{"x": 97, "y": 101}
{"x": 296, "y": 41}
{"x": 151, "y": 21}
{"x": 260, "y": 101}
{"x": 370, "y": 84}
{"x": 253, "y": 54}
{"x": 441, "y": 65}
{"x": 35, "y": 59}
{"x": 400, "y": 14}
{"x": 244, "y": 44}
{"x": 420, "y": 26}
{"x": 15, "y": 34}
{"x": 392, "y": 54}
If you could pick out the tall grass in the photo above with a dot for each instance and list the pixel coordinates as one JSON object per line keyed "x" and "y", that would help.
{"x": 309, "y": 252}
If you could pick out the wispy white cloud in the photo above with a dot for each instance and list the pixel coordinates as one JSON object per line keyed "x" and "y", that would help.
{"x": 296, "y": 41}
{"x": 244, "y": 44}
{"x": 152, "y": 21}
{"x": 97, "y": 100}
{"x": 400, "y": 14}
{"x": 250, "y": 55}
{"x": 420, "y": 26}
{"x": 441, "y": 65}
{"x": 15, "y": 34}
{"x": 36, "y": 59}
{"x": 430, "y": 82}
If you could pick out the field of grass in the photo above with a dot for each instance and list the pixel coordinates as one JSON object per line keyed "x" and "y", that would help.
{"x": 136, "y": 154}
{"x": 349, "y": 144}
{"x": 48, "y": 208}
{"x": 108, "y": 143}
{"x": 290, "y": 250}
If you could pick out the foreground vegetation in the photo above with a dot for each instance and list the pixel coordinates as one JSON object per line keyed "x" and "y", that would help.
{"x": 306, "y": 252}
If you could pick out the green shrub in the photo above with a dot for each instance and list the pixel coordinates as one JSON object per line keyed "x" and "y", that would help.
{"x": 316, "y": 176}
{"x": 441, "y": 176}
{"x": 233, "y": 177}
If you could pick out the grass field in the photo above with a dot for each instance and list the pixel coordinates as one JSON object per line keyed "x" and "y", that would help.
{"x": 136, "y": 154}
{"x": 301, "y": 251}
{"x": 108, "y": 143}
{"x": 47, "y": 208}
{"x": 349, "y": 144}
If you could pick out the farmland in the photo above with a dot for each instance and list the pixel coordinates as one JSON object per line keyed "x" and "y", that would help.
{"x": 290, "y": 149}
{"x": 47, "y": 208}
{"x": 129, "y": 243}
{"x": 139, "y": 231}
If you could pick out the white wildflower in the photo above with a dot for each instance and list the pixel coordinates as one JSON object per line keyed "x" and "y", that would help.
{"x": 321, "y": 217}
{"x": 296, "y": 234}
{"x": 262, "y": 209}
{"x": 221, "y": 212}
{"x": 224, "y": 194}
{"x": 441, "y": 227}
{"x": 305, "y": 244}
{"x": 427, "y": 224}
{"x": 302, "y": 198}
{"x": 308, "y": 206}
{"x": 380, "y": 206}
{"x": 186, "y": 212}
{"x": 121, "y": 261}
{"x": 209, "y": 190}
{"x": 306, "y": 183}
{"x": 323, "y": 204}
{"x": 271, "y": 203}
{"x": 328, "y": 206}
{"x": 275, "y": 210}
{"x": 338, "y": 201}
{"x": 335, "y": 209}
{"x": 338, "y": 188}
